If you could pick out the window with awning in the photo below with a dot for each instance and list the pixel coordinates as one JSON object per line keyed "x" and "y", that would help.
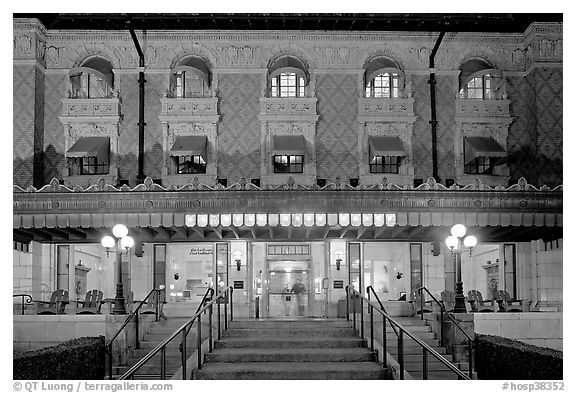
{"x": 90, "y": 155}
{"x": 289, "y": 153}
{"x": 482, "y": 154}
{"x": 289, "y": 144}
{"x": 386, "y": 153}
{"x": 189, "y": 154}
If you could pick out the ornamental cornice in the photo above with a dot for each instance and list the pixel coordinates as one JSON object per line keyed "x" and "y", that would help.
{"x": 244, "y": 185}
{"x": 430, "y": 197}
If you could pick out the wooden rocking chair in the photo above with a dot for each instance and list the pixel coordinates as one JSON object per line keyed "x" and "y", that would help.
{"x": 506, "y": 304}
{"x": 478, "y": 304}
{"x": 91, "y": 304}
{"x": 447, "y": 300}
{"x": 56, "y": 305}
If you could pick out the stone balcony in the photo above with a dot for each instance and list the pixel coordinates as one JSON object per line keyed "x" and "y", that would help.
{"x": 391, "y": 109}
{"x": 482, "y": 110}
{"x": 299, "y": 108}
{"x": 182, "y": 109}
{"x": 86, "y": 108}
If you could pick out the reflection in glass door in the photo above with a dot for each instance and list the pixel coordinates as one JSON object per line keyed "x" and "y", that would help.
{"x": 288, "y": 288}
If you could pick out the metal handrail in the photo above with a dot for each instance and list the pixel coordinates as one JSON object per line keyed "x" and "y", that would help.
{"x": 443, "y": 311}
{"x": 402, "y": 331}
{"x": 207, "y": 296}
{"x": 133, "y": 314}
{"x": 226, "y": 295}
{"x": 29, "y": 300}
{"x": 369, "y": 289}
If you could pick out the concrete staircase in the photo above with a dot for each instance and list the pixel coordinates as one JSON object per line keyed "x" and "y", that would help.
{"x": 290, "y": 349}
{"x": 157, "y": 333}
{"x": 413, "y": 351}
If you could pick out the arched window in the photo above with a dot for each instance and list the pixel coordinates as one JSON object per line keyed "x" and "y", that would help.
{"x": 478, "y": 80}
{"x": 191, "y": 78}
{"x": 94, "y": 79}
{"x": 383, "y": 79}
{"x": 287, "y": 77}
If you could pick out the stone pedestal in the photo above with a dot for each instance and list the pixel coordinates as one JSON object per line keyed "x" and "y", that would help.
{"x": 455, "y": 341}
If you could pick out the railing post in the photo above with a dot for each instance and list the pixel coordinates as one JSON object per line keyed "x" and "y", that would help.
{"x": 110, "y": 357}
{"x": 362, "y": 317}
{"x": 421, "y": 305}
{"x": 441, "y": 326}
{"x": 226, "y": 311}
{"x": 470, "y": 357}
{"x": 231, "y": 304}
{"x": 384, "y": 343}
{"x": 137, "y": 328}
{"x": 199, "y": 341}
{"x": 162, "y": 363}
{"x": 184, "y": 357}
{"x": 22, "y": 305}
{"x": 424, "y": 364}
{"x": 347, "y": 303}
{"x": 354, "y": 311}
{"x": 157, "y": 306}
{"x": 218, "y": 307}
{"x": 371, "y": 327}
{"x": 401, "y": 352}
{"x": 210, "y": 346}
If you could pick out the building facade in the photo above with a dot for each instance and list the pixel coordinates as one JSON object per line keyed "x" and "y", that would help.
{"x": 274, "y": 157}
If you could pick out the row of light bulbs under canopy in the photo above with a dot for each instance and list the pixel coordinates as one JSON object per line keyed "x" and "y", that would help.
{"x": 120, "y": 231}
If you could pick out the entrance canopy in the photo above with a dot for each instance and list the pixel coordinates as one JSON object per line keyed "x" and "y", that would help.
{"x": 384, "y": 146}
{"x": 479, "y": 146}
{"x": 189, "y": 145}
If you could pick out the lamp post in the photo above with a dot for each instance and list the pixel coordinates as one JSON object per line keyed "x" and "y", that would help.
{"x": 456, "y": 242}
{"x": 121, "y": 242}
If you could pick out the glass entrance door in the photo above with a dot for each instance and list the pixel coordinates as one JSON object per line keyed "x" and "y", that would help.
{"x": 288, "y": 289}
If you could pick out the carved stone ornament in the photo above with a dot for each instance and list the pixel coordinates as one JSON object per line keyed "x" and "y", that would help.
{"x": 430, "y": 184}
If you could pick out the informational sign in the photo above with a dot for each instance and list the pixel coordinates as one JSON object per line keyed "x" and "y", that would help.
{"x": 338, "y": 284}
{"x": 238, "y": 284}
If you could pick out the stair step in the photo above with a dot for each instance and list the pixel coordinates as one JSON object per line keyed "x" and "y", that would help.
{"x": 434, "y": 375}
{"x": 420, "y": 335}
{"x": 286, "y": 324}
{"x": 294, "y": 342}
{"x": 303, "y": 332}
{"x": 291, "y": 370}
{"x": 148, "y": 369}
{"x": 291, "y": 355}
{"x": 415, "y": 350}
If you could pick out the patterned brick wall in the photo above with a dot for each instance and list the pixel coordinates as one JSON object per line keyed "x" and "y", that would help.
{"x": 422, "y": 137}
{"x": 239, "y": 129}
{"x": 23, "y": 123}
{"x": 522, "y": 132}
{"x": 54, "y": 138}
{"x": 337, "y": 130}
{"x": 39, "y": 130}
{"x": 128, "y": 142}
{"x": 547, "y": 84}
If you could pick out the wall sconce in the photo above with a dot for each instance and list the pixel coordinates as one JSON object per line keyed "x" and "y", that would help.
{"x": 237, "y": 257}
{"x": 339, "y": 256}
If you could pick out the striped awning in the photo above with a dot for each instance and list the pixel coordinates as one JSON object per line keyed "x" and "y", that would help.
{"x": 383, "y": 146}
{"x": 189, "y": 145}
{"x": 479, "y": 146}
{"x": 90, "y": 146}
{"x": 289, "y": 144}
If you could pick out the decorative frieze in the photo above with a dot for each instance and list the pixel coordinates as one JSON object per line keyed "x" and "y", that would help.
{"x": 385, "y": 108}
{"x": 288, "y": 106}
{"x": 90, "y": 107}
{"x": 482, "y": 110}
{"x": 199, "y": 108}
